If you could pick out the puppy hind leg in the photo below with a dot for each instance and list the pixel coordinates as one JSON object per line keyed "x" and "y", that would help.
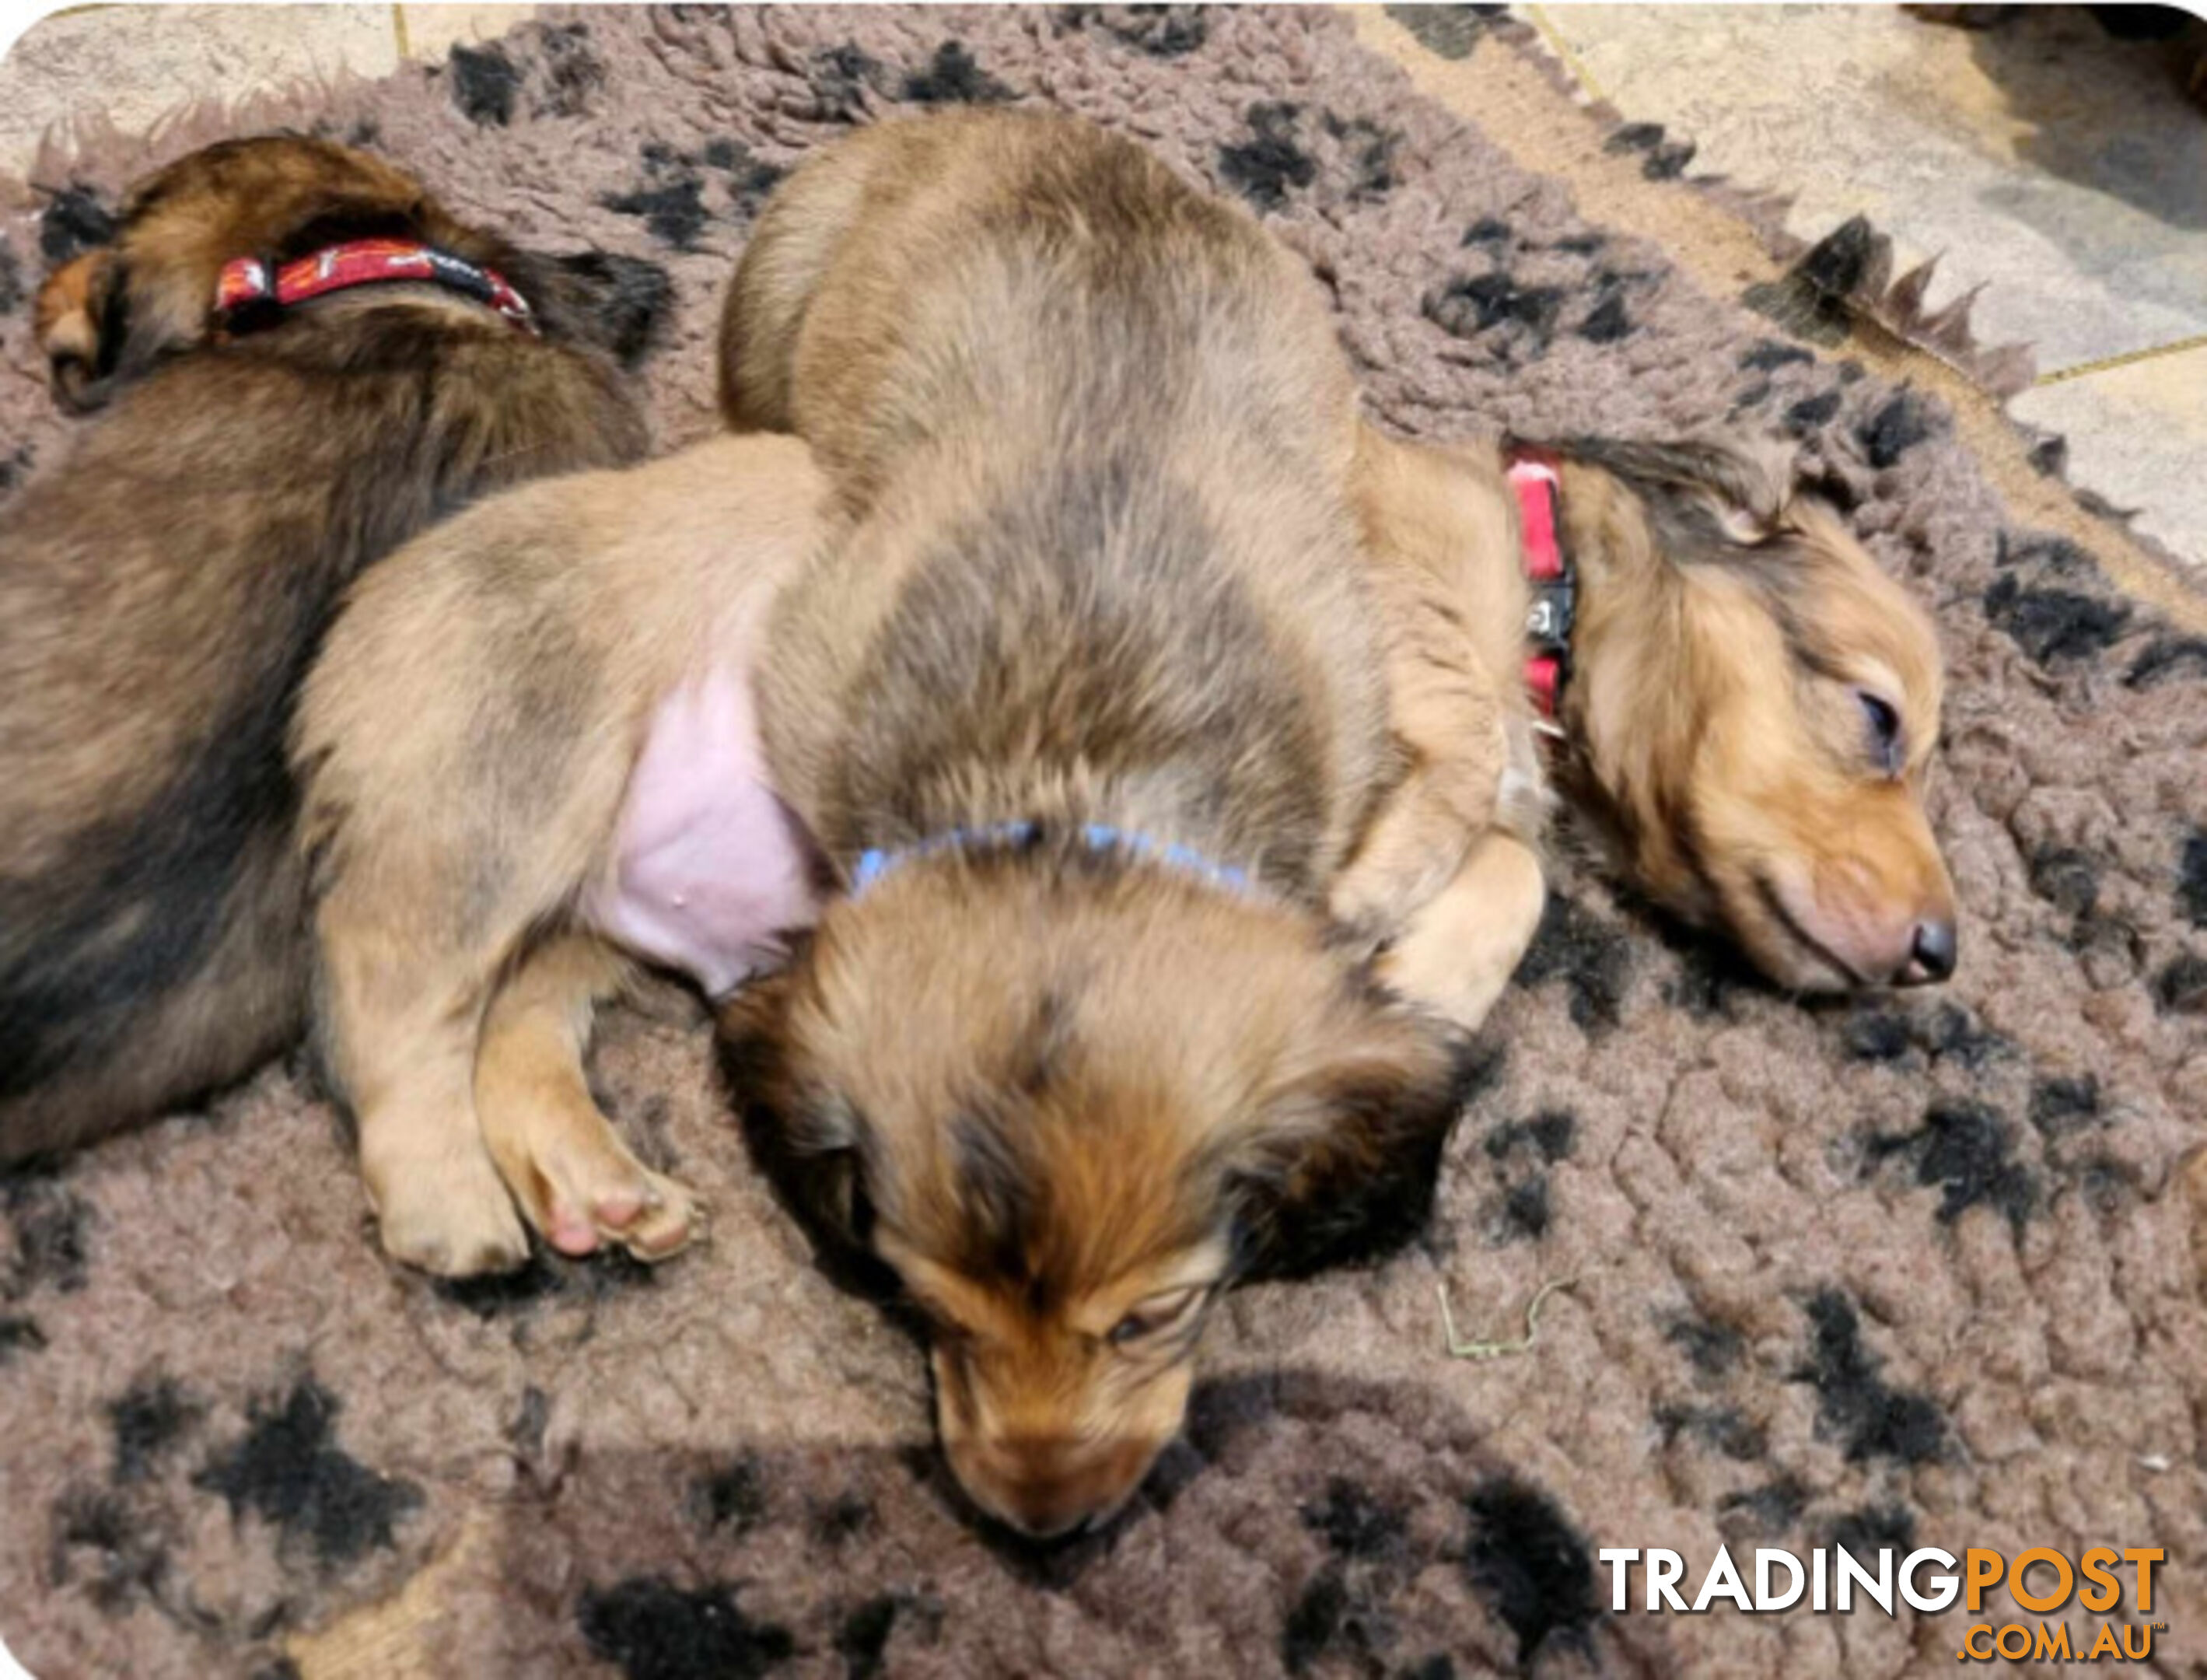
{"x": 1461, "y": 949}
{"x": 576, "y": 1182}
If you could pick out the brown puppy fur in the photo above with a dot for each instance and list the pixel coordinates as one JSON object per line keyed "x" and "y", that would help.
{"x": 465, "y": 847}
{"x": 1737, "y": 657}
{"x": 1097, "y": 438}
{"x": 165, "y": 584}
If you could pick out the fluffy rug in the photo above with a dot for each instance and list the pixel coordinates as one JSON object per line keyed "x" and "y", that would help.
{"x": 1914, "y": 1272}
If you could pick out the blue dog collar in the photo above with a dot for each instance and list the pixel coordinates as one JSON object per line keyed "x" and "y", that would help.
{"x": 879, "y": 861}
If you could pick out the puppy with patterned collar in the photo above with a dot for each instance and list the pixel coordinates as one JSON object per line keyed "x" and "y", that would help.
{"x": 299, "y": 358}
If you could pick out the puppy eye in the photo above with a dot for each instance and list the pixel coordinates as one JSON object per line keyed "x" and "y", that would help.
{"x": 1157, "y": 1315}
{"x": 1884, "y": 729}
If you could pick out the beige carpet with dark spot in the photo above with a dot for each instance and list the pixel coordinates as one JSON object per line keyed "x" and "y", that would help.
{"x": 1907, "y": 1272}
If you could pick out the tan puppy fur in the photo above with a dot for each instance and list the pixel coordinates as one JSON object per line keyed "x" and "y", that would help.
{"x": 467, "y": 742}
{"x": 1099, "y": 441}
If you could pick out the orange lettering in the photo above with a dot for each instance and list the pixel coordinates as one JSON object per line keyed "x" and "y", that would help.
{"x": 2145, "y": 1556}
{"x": 1981, "y": 1569}
{"x": 2021, "y": 1632}
{"x": 2095, "y": 1568}
{"x": 2040, "y": 1603}
{"x": 1970, "y": 1642}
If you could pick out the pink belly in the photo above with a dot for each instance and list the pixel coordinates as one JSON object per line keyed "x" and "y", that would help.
{"x": 711, "y": 870}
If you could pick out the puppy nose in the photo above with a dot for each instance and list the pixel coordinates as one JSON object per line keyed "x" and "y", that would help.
{"x": 1932, "y": 956}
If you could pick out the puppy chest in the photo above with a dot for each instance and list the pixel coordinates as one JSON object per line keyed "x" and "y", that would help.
{"x": 710, "y": 870}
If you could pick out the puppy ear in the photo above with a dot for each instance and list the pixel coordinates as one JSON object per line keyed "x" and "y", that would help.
{"x": 1343, "y": 1167}
{"x": 810, "y": 1143}
{"x": 74, "y": 322}
{"x": 1743, "y": 487}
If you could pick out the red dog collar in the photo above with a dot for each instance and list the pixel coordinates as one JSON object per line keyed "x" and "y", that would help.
{"x": 248, "y": 282}
{"x": 1536, "y": 481}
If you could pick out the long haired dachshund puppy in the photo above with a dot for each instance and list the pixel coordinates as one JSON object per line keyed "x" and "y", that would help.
{"x": 163, "y": 587}
{"x": 1089, "y": 708}
{"x": 1749, "y": 716}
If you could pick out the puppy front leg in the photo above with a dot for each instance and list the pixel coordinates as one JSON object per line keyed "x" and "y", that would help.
{"x": 1462, "y": 946}
{"x": 1448, "y": 716}
{"x": 574, "y": 1178}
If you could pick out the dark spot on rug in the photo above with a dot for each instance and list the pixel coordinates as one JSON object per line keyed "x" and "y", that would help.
{"x": 1876, "y": 1033}
{"x": 1357, "y": 1527}
{"x": 11, "y": 279}
{"x": 2053, "y": 624}
{"x": 1722, "y": 1427}
{"x": 1592, "y": 955}
{"x": 73, "y": 222}
{"x": 1580, "y": 244}
{"x": 626, "y": 298}
{"x": 2167, "y": 656}
{"x": 19, "y": 1335}
{"x": 1662, "y": 160}
{"x": 282, "y": 1669}
{"x": 569, "y": 69}
{"x": 1895, "y": 429}
{"x": 1450, "y": 32}
{"x": 1161, "y": 32}
{"x": 2042, "y": 552}
{"x": 2061, "y": 1106}
{"x": 483, "y": 83}
{"x": 51, "y": 1224}
{"x": 150, "y": 1419}
{"x": 1767, "y": 355}
{"x": 836, "y": 1521}
{"x": 1487, "y": 230}
{"x": 1531, "y": 1563}
{"x": 1853, "y": 1401}
{"x": 1762, "y": 1513}
{"x": 1468, "y": 307}
{"x": 1552, "y": 1134}
{"x": 840, "y": 78}
{"x": 130, "y": 1552}
{"x": 1713, "y": 1349}
{"x": 1811, "y": 413}
{"x": 653, "y": 1629}
{"x": 1872, "y": 1529}
{"x": 953, "y": 77}
{"x": 1967, "y": 1150}
{"x": 289, "y": 1470}
{"x": 2066, "y": 878}
{"x": 1369, "y": 150}
{"x": 1324, "y": 1618}
{"x": 861, "y": 1636}
{"x": 673, "y": 208}
{"x": 1262, "y": 168}
{"x": 2192, "y": 878}
{"x": 731, "y": 1496}
{"x": 2181, "y": 988}
{"x": 14, "y": 467}
{"x": 1522, "y": 1213}
{"x": 1607, "y": 321}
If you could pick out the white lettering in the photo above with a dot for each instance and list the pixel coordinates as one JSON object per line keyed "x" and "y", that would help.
{"x": 1620, "y": 1559}
{"x": 1946, "y": 1587}
{"x": 1722, "y": 1582}
{"x": 1852, "y": 1575}
{"x": 1764, "y": 1598}
{"x": 1664, "y": 1568}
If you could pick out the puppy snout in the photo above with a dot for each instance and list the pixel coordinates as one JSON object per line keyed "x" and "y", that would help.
{"x": 1932, "y": 952}
{"x": 1048, "y": 1490}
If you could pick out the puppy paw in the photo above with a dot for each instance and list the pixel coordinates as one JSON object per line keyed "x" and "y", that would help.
{"x": 446, "y": 1212}
{"x": 581, "y": 1188}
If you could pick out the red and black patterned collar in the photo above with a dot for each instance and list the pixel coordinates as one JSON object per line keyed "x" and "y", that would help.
{"x": 248, "y": 285}
{"x": 1536, "y": 480}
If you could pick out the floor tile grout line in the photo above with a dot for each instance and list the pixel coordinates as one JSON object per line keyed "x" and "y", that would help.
{"x": 1538, "y": 16}
{"x": 2084, "y": 369}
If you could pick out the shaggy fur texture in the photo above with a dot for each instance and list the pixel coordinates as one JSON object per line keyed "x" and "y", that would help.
{"x": 1911, "y": 1271}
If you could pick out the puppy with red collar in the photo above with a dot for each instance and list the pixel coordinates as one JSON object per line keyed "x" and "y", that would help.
{"x": 299, "y": 359}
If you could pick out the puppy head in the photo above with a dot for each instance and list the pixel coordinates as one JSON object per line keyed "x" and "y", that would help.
{"x": 1069, "y": 1102}
{"x": 114, "y": 312}
{"x": 1759, "y": 704}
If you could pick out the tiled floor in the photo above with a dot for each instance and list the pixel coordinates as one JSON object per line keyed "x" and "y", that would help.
{"x": 2065, "y": 173}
